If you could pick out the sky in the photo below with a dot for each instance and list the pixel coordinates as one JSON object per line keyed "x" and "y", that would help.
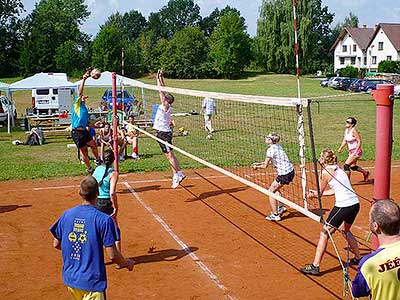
{"x": 369, "y": 12}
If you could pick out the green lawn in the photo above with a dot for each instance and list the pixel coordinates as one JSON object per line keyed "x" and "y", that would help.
{"x": 53, "y": 159}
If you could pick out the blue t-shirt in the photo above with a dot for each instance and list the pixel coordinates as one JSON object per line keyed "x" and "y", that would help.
{"x": 104, "y": 189}
{"x": 80, "y": 114}
{"x": 83, "y": 231}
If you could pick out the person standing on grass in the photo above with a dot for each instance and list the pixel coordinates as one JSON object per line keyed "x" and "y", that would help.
{"x": 107, "y": 179}
{"x": 80, "y": 121}
{"x": 208, "y": 108}
{"x": 81, "y": 233}
{"x": 343, "y": 213}
{"x": 352, "y": 139}
{"x": 277, "y": 156}
{"x": 378, "y": 274}
{"x": 162, "y": 124}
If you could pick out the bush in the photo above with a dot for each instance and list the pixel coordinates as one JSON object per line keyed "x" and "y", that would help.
{"x": 389, "y": 66}
{"x": 349, "y": 71}
{"x": 362, "y": 72}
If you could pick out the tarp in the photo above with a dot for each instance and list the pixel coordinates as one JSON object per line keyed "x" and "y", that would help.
{"x": 105, "y": 80}
{"x": 4, "y": 86}
{"x": 42, "y": 80}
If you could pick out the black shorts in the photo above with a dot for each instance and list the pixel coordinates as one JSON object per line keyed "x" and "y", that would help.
{"x": 105, "y": 205}
{"x": 285, "y": 179}
{"x": 338, "y": 215}
{"x": 81, "y": 137}
{"x": 165, "y": 136}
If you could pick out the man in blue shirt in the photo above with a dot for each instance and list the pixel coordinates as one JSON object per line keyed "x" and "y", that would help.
{"x": 81, "y": 233}
{"x": 80, "y": 121}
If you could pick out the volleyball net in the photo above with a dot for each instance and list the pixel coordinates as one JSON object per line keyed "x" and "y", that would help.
{"x": 235, "y": 139}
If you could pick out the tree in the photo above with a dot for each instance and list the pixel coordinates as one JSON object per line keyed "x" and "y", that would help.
{"x": 107, "y": 48}
{"x": 230, "y": 48}
{"x": 68, "y": 57}
{"x": 148, "y": 50}
{"x": 185, "y": 54}
{"x": 176, "y": 15}
{"x": 131, "y": 24}
{"x": 209, "y": 23}
{"x": 51, "y": 23}
{"x": 10, "y": 36}
{"x": 275, "y": 35}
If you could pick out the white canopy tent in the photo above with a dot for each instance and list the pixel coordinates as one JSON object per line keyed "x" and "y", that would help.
{"x": 105, "y": 80}
{"x": 4, "y": 86}
{"x": 42, "y": 80}
{"x": 39, "y": 81}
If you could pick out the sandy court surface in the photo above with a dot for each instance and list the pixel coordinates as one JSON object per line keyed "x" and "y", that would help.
{"x": 205, "y": 240}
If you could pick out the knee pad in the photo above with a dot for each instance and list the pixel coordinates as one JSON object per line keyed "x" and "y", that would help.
{"x": 354, "y": 168}
{"x": 346, "y": 167}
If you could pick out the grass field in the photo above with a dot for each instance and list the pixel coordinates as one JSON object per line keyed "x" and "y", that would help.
{"x": 53, "y": 159}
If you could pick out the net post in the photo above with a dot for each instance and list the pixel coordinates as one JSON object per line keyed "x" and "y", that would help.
{"x": 114, "y": 119}
{"x": 383, "y": 96}
{"x": 300, "y": 130}
{"x": 314, "y": 156}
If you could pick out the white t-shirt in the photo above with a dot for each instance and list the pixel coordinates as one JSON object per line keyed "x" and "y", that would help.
{"x": 280, "y": 161}
{"x": 162, "y": 119}
{"x": 344, "y": 193}
{"x": 208, "y": 106}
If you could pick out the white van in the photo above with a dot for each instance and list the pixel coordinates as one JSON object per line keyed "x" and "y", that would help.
{"x": 51, "y": 101}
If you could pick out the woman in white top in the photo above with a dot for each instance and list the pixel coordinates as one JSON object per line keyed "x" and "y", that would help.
{"x": 352, "y": 139}
{"x": 162, "y": 124}
{"x": 105, "y": 138}
{"x": 278, "y": 158}
{"x": 343, "y": 213}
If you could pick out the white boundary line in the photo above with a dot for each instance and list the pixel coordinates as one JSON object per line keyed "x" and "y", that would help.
{"x": 184, "y": 247}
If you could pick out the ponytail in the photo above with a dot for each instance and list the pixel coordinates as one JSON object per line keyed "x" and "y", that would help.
{"x": 108, "y": 161}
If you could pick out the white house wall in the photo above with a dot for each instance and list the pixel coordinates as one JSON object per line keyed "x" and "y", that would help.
{"x": 343, "y": 59}
{"x": 387, "y": 50}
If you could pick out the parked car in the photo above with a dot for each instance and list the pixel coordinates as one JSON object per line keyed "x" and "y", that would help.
{"x": 325, "y": 82}
{"x": 335, "y": 81}
{"x": 344, "y": 84}
{"x": 128, "y": 100}
{"x": 370, "y": 84}
{"x": 397, "y": 90}
{"x": 5, "y": 105}
{"x": 355, "y": 85}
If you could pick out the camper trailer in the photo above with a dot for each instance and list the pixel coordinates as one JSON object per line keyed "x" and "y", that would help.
{"x": 52, "y": 101}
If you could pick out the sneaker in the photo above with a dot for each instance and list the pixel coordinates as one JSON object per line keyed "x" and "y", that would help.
{"x": 273, "y": 217}
{"x": 135, "y": 156}
{"x": 281, "y": 209}
{"x": 121, "y": 158}
{"x": 310, "y": 269}
{"x": 355, "y": 261}
{"x": 90, "y": 170}
{"x": 177, "y": 179}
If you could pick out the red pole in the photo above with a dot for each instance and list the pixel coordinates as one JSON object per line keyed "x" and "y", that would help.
{"x": 383, "y": 96}
{"x": 114, "y": 119}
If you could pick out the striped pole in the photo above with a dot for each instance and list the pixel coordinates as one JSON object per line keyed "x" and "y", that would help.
{"x": 300, "y": 118}
{"x": 296, "y": 45}
{"x": 114, "y": 119}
